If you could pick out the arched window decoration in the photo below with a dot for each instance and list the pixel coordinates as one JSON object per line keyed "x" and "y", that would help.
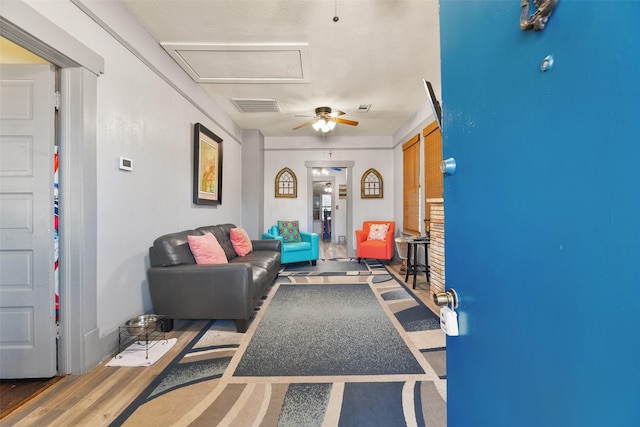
{"x": 286, "y": 183}
{"x": 371, "y": 185}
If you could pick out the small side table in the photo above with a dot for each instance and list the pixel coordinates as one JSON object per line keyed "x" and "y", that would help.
{"x": 412, "y": 258}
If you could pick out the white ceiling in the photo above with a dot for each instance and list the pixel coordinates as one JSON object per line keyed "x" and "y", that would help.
{"x": 293, "y": 52}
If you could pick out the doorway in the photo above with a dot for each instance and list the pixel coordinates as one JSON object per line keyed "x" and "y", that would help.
{"x": 78, "y": 344}
{"x": 324, "y": 220}
{"x": 339, "y": 221}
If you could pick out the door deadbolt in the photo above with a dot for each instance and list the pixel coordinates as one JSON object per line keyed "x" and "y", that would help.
{"x": 449, "y": 297}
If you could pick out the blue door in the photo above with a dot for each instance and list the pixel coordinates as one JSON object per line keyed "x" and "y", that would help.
{"x": 543, "y": 214}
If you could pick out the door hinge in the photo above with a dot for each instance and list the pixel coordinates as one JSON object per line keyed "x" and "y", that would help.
{"x": 57, "y": 101}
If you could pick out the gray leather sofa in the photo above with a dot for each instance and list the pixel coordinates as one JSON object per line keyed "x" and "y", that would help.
{"x": 182, "y": 289}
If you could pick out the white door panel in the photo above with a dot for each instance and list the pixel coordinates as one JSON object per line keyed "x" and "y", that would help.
{"x": 27, "y": 311}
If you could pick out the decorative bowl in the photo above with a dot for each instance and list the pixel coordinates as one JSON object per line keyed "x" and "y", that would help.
{"x": 142, "y": 324}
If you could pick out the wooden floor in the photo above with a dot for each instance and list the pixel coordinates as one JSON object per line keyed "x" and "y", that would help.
{"x": 97, "y": 397}
{"x": 15, "y": 393}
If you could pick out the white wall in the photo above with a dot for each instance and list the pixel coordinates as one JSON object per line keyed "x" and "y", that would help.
{"x": 142, "y": 117}
{"x": 372, "y": 152}
{"x": 252, "y": 192}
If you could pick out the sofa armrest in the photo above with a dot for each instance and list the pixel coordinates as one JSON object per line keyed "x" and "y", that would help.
{"x": 195, "y": 291}
{"x": 267, "y": 244}
{"x": 389, "y": 236}
{"x": 390, "y": 241}
{"x": 309, "y": 237}
{"x": 360, "y": 236}
{"x": 271, "y": 236}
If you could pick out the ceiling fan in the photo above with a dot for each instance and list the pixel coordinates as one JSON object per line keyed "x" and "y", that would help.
{"x": 325, "y": 120}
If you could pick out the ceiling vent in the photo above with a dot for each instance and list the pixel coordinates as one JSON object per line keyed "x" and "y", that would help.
{"x": 364, "y": 108}
{"x": 246, "y": 105}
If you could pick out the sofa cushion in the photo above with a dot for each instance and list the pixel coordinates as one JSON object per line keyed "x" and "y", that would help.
{"x": 206, "y": 249}
{"x": 290, "y": 231}
{"x": 267, "y": 260}
{"x": 260, "y": 278}
{"x": 264, "y": 268}
{"x": 173, "y": 249}
{"x": 296, "y": 246}
{"x": 241, "y": 241}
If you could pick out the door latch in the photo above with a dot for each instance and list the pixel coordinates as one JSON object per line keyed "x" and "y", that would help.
{"x": 450, "y": 297}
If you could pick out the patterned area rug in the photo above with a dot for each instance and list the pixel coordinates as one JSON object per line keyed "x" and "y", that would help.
{"x": 329, "y": 267}
{"x": 325, "y": 350}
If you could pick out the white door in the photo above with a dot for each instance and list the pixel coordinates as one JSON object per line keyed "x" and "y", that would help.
{"x": 27, "y": 311}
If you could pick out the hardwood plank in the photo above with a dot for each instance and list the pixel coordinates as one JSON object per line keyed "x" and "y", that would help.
{"x": 15, "y": 393}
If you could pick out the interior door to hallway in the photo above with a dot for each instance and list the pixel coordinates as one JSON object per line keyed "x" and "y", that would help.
{"x": 542, "y": 229}
{"x": 27, "y": 288}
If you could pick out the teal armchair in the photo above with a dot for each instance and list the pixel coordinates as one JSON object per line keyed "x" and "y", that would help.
{"x": 307, "y": 250}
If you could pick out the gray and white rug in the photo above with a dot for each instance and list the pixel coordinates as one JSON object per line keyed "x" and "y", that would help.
{"x": 325, "y": 350}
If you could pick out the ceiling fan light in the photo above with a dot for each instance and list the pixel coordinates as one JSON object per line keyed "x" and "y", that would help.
{"x": 324, "y": 125}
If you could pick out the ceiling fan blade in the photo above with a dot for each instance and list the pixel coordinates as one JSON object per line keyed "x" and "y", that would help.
{"x": 310, "y": 122}
{"x": 337, "y": 113}
{"x": 346, "y": 122}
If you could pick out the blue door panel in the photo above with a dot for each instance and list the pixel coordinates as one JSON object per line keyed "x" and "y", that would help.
{"x": 543, "y": 213}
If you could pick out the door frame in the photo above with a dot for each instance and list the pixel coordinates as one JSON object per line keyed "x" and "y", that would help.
{"x": 78, "y": 346}
{"x": 332, "y": 181}
{"x": 348, "y": 166}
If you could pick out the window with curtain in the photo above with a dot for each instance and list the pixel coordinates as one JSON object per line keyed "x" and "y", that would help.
{"x": 411, "y": 185}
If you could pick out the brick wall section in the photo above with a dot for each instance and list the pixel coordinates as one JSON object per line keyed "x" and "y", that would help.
{"x": 436, "y": 247}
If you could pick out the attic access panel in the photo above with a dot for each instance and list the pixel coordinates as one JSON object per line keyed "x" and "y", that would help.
{"x": 242, "y": 63}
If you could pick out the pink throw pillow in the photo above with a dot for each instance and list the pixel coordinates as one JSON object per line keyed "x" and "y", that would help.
{"x": 206, "y": 249}
{"x": 241, "y": 241}
{"x": 378, "y": 231}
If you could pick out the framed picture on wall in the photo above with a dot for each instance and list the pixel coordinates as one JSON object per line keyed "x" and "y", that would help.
{"x": 371, "y": 185}
{"x": 286, "y": 184}
{"x": 207, "y": 166}
{"x": 342, "y": 191}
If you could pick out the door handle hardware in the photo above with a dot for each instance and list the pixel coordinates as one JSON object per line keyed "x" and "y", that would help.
{"x": 449, "y": 297}
{"x": 448, "y": 166}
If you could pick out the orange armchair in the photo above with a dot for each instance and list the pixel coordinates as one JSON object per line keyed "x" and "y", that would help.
{"x": 378, "y": 248}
